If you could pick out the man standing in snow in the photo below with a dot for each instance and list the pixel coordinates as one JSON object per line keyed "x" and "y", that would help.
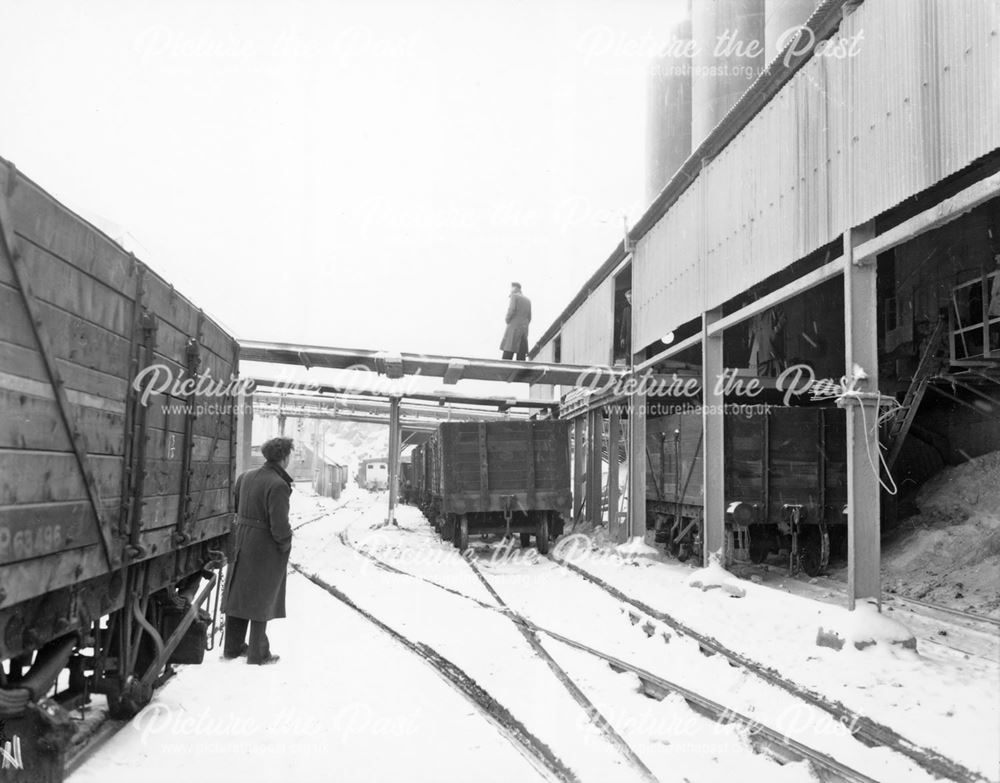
{"x": 515, "y": 338}
{"x": 255, "y": 589}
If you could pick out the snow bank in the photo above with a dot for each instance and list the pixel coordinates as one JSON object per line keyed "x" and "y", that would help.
{"x": 638, "y": 547}
{"x": 714, "y": 576}
{"x": 864, "y": 627}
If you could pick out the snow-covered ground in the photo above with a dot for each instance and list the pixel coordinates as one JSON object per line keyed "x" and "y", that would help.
{"x": 344, "y": 703}
{"x": 939, "y": 700}
{"x": 347, "y": 702}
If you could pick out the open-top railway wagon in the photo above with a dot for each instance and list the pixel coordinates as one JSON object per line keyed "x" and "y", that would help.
{"x": 114, "y": 504}
{"x": 783, "y": 492}
{"x": 501, "y": 477}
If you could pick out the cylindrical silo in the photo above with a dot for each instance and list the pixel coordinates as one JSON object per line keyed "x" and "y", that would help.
{"x": 668, "y": 132}
{"x": 781, "y": 17}
{"x": 729, "y": 40}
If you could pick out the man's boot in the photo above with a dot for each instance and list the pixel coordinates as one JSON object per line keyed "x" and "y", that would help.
{"x": 259, "y": 653}
{"x": 236, "y": 634}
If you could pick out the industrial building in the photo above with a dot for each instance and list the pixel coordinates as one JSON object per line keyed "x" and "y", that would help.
{"x": 823, "y": 237}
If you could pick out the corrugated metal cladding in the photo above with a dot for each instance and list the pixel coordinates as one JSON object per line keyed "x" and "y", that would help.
{"x": 845, "y": 139}
{"x": 587, "y": 334}
{"x": 543, "y": 391}
{"x": 665, "y": 262}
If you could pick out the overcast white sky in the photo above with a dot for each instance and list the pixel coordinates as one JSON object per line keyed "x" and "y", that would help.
{"x": 358, "y": 174}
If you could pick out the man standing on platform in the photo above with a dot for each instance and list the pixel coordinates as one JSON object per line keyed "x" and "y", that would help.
{"x": 255, "y": 587}
{"x": 515, "y": 338}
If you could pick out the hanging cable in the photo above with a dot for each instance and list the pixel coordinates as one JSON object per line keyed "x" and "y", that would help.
{"x": 848, "y": 389}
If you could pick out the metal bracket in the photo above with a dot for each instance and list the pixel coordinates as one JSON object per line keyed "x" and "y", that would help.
{"x": 456, "y": 367}
{"x": 389, "y": 364}
{"x": 193, "y": 357}
{"x": 793, "y": 514}
{"x": 138, "y": 464}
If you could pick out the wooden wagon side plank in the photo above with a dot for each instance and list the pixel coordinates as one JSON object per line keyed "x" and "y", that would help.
{"x": 10, "y": 249}
{"x": 30, "y": 578}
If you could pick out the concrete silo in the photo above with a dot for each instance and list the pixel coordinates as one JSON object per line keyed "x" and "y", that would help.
{"x": 780, "y": 17}
{"x": 668, "y": 132}
{"x": 729, "y": 39}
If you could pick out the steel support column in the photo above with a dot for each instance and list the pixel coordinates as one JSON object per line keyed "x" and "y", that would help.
{"x": 579, "y": 453}
{"x": 863, "y": 498}
{"x": 394, "y": 446}
{"x": 595, "y": 438}
{"x": 614, "y": 437}
{"x": 713, "y": 456}
{"x": 244, "y": 431}
{"x": 637, "y": 466}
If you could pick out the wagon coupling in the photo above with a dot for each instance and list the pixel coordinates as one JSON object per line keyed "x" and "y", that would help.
{"x": 508, "y": 512}
{"x": 216, "y": 559}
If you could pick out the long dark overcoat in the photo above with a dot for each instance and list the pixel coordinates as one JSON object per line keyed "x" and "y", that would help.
{"x": 515, "y": 338}
{"x": 255, "y": 589}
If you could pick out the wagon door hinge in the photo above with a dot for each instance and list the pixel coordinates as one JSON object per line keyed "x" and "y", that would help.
{"x": 9, "y": 244}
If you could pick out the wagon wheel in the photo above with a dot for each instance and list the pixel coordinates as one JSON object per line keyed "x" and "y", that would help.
{"x": 525, "y": 540}
{"x": 461, "y": 539}
{"x": 814, "y": 551}
{"x": 542, "y": 533}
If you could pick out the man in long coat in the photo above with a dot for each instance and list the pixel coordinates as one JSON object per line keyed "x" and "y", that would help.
{"x": 255, "y": 589}
{"x": 515, "y": 338}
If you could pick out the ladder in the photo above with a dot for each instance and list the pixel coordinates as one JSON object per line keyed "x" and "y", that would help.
{"x": 926, "y": 368}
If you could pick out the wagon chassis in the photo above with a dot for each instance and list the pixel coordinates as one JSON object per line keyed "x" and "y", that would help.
{"x": 540, "y": 523}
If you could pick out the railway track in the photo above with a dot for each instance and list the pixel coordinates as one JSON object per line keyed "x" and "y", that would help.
{"x": 987, "y": 623}
{"x": 864, "y": 729}
{"x": 530, "y": 635}
{"x": 764, "y": 739}
{"x": 984, "y": 630}
{"x": 991, "y": 623}
{"x": 91, "y": 742}
{"x": 536, "y": 752}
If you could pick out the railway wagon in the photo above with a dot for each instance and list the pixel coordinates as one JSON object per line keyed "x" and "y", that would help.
{"x": 424, "y": 473}
{"x": 373, "y": 474}
{"x": 114, "y": 503}
{"x": 406, "y": 478}
{"x": 783, "y": 492}
{"x": 331, "y": 478}
{"x": 501, "y": 477}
